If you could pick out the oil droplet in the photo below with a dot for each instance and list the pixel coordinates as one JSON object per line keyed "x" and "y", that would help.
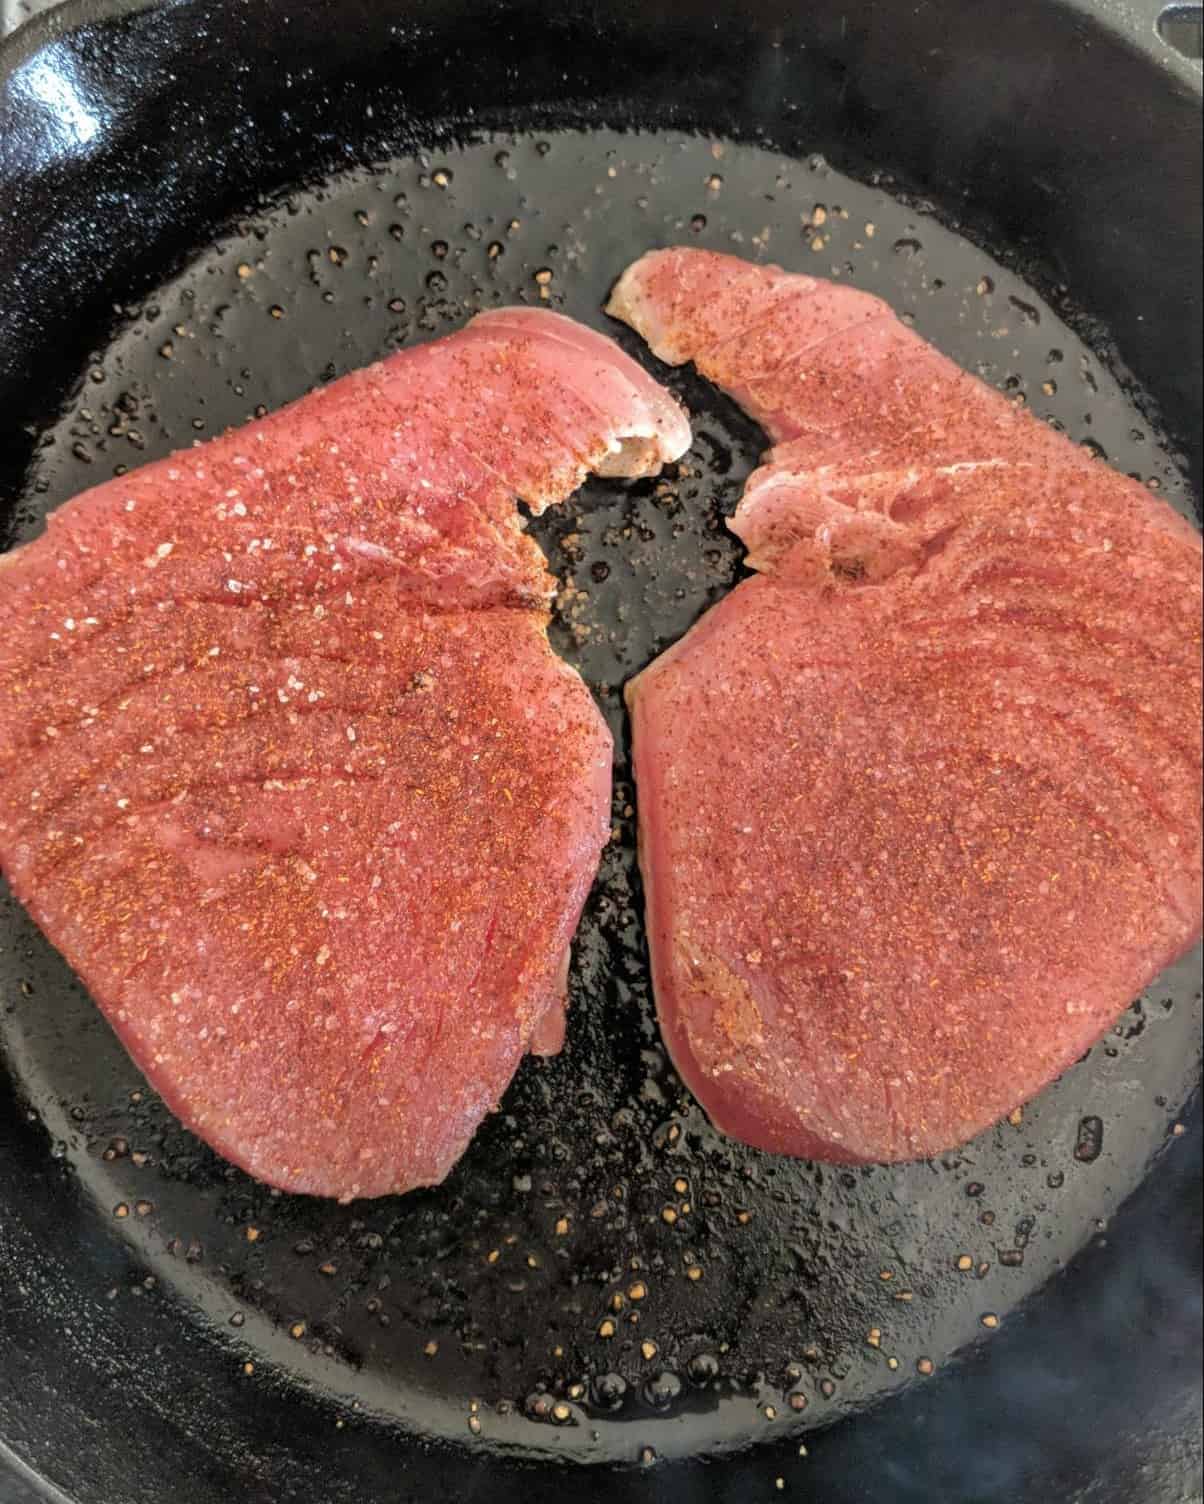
{"x": 1089, "y": 1142}
{"x": 662, "y": 1389}
{"x": 610, "y": 1390}
{"x": 538, "y": 1405}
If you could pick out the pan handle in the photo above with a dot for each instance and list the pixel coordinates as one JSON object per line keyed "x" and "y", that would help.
{"x": 1168, "y": 31}
{"x": 1180, "y": 25}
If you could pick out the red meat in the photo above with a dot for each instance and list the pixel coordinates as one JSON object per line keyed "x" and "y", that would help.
{"x": 920, "y": 803}
{"x": 290, "y": 773}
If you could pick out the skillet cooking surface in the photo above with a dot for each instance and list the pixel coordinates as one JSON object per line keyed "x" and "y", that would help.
{"x": 603, "y": 1273}
{"x": 219, "y": 1341}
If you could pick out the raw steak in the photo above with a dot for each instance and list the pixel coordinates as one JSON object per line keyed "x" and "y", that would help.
{"x": 919, "y": 804}
{"x": 291, "y": 775}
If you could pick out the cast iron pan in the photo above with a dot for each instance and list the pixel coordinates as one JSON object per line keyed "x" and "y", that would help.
{"x": 208, "y": 208}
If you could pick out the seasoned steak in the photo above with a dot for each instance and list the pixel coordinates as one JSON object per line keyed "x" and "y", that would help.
{"x": 290, "y": 773}
{"x": 920, "y": 802}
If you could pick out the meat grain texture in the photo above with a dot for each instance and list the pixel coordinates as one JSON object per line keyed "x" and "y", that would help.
{"x": 919, "y": 802}
{"x": 291, "y": 775}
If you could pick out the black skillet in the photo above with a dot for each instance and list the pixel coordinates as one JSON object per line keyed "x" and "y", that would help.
{"x": 213, "y": 205}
